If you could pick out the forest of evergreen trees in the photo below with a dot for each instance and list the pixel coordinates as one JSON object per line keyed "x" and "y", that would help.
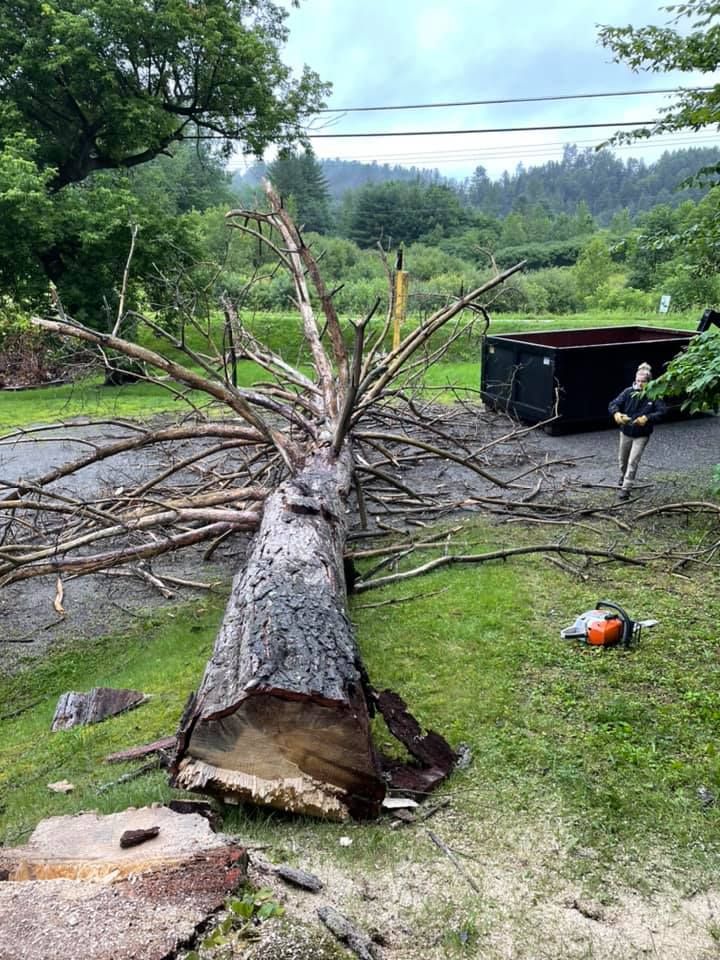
{"x": 596, "y": 231}
{"x": 607, "y": 184}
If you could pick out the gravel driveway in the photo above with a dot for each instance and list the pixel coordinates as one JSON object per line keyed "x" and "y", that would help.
{"x": 681, "y": 456}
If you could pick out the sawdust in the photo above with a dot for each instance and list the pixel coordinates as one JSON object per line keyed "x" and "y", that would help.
{"x": 527, "y": 907}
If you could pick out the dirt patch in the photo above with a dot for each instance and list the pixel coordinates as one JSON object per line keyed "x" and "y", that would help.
{"x": 526, "y": 907}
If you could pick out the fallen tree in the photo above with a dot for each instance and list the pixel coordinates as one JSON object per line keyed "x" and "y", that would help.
{"x": 282, "y": 716}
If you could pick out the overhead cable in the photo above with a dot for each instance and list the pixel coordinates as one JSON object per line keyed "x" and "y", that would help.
{"x": 486, "y": 103}
{"x": 443, "y": 133}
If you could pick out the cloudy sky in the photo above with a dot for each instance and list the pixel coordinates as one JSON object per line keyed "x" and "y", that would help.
{"x": 400, "y": 52}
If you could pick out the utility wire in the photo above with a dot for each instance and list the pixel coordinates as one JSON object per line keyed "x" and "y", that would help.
{"x": 485, "y": 103}
{"x": 443, "y": 133}
{"x": 527, "y": 150}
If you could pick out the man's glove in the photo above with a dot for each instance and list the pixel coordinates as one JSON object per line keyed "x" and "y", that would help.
{"x": 640, "y": 421}
{"x": 621, "y": 418}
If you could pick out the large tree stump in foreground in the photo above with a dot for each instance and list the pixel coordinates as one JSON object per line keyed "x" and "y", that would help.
{"x": 281, "y": 717}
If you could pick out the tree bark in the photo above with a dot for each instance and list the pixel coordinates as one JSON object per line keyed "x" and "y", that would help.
{"x": 282, "y": 716}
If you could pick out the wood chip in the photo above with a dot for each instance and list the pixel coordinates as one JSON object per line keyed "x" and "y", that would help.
{"x": 133, "y": 838}
{"x": 61, "y": 786}
{"x": 59, "y": 594}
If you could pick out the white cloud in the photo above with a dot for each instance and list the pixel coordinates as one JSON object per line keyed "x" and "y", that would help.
{"x": 377, "y": 52}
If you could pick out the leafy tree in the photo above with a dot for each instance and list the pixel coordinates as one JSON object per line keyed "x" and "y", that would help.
{"x": 191, "y": 178}
{"x": 696, "y": 372}
{"x": 593, "y": 268}
{"x": 109, "y": 84}
{"x": 675, "y": 47}
{"x": 403, "y": 213}
{"x": 93, "y": 88}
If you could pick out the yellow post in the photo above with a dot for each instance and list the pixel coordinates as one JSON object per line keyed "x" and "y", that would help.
{"x": 400, "y": 304}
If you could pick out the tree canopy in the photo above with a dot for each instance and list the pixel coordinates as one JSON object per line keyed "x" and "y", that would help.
{"x": 92, "y": 90}
{"x": 696, "y": 373}
{"x": 108, "y": 84}
{"x": 300, "y": 176}
{"x": 690, "y": 42}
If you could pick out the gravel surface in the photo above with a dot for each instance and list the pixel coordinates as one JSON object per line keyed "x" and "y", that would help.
{"x": 679, "y": 458}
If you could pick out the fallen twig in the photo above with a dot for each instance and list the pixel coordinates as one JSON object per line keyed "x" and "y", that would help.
{"x": 441, "y": 845}
{"x": 354, "y": 939}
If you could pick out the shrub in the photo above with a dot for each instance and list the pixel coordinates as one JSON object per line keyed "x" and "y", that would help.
{"x": 28, "y": 356}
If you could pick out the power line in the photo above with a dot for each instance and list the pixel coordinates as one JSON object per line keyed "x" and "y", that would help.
{"x": 524, "y": 149}
{"x": 486, "y": 103}
{"x": 443, "y": 133}
{"x": 517, "y": 151}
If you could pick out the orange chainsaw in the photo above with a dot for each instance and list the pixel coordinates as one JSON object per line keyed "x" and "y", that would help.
{"x": 606, "y": 626}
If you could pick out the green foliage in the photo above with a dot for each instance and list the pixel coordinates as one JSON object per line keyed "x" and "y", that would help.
{"x": 299, "y": 176}
{"x": 548, "y": 291}
{"x": 28, "y": 355}
{"x": 91, "y": 83}
{"x": 604, "y": 182}
{"x": 593, "y": 268}
{"x": 87, "y": 92}
{"x": 549, "y": 253}
{"x": 401, "y": 213}
{"x": 243, "y": 915}
{"x": 693, "y": 374}
{"x": 690, "y": 43}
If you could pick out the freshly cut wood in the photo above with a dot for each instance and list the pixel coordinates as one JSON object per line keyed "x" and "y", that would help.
{"x": 77, "y": 709}
{"x": 282, "y": 716}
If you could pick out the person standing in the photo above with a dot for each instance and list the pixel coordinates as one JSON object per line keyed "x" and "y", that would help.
{"x": 636, "y": 415}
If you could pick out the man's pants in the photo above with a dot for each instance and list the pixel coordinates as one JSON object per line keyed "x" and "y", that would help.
{"x": 629, "y": 453}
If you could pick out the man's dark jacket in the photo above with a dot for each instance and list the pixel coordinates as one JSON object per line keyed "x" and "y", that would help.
{"x": 634, "y": 403}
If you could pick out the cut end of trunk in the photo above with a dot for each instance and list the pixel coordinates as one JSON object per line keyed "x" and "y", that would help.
{"x": 295, "y": 795}
{"x": 293, "y": 754}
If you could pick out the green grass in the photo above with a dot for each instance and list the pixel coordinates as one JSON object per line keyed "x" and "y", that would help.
{"x": 619, "y": 741}
{"x": 612, "y": 746}
{"x": 89, "y": 398}
{"x": 282, "y": 332}
{"x": 163, "y": 657}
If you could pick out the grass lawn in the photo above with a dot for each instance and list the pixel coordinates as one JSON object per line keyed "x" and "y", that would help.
{"x": 612, "y": 745}
{"x": 90, "y": 399}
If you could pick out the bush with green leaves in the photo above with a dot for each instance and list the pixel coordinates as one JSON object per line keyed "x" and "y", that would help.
{"x": 694, "y": 374}
{"x": 688, "y": 289}
{"x": 28, "y": 355}
{"x": 550, "y": 291}
{"x": 623, "y": 299}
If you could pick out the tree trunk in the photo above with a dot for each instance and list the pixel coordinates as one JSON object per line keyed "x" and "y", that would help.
{"x": 281, "y": 717}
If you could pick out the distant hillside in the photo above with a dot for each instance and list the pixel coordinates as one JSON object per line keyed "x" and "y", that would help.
{"x": 344, "y": 175}
{"x": 600, "y": 179}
